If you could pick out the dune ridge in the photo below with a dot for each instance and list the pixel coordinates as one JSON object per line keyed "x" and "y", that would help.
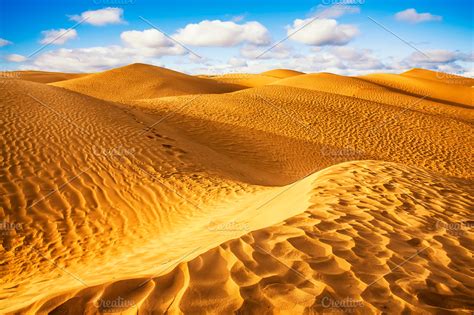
{"x": 147, "y": 82}
{"x": 448, "y": 78}
{"x": 311, "y": 262}
{"x": 42, "y": 76}
{"x": 281, "y": 124}
{"x": 282, "y": 73}
{"x": 435, "y": 89}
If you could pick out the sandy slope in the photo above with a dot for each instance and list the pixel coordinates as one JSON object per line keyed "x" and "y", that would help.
{"x": 282, "y": 73}
{"x": 367, "y": 90}
{"x": 245, "y": 79}
{"x": 436, "y": 76}
{"x": 42, "y": 76}
{"x": 195, "y": 191}
{"x": 271, "y": 128}
{"x": 255, "y": 80}
{"x": 411, "y": 225}
{"x": 432, "y": 89}
{"x": 84, "y": 182}
{"x": 139, "y": 81}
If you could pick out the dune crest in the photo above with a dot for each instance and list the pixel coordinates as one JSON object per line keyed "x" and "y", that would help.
{"x": 140, "y": 81}
{"x": 315, "y": 262}
{"x": 42, "y": 76}
{"x": 437, "y": 76}
{"x": 282, "y": 73}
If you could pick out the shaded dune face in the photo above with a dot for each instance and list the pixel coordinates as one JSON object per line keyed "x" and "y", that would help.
{"x": 233, "y": 198}
{"x": 291, "y": 131}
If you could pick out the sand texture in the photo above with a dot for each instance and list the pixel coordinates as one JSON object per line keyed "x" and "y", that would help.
{"x": 141, "y": 190}
{"x": 41, "y": 76}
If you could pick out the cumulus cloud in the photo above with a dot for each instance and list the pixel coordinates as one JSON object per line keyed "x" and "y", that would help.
{"x": 100, "y": 17}
{"x": 222, "y": 34}
{"x": 360, "y": 59}
{"x": 4, "y": 42}
{"x": 280, "y": 51}
{"x": 321, "y": 32}
{"x": 15, "y": 58}
{"x": 237, "y": 62}
{"x": 411, "y": 16}
{"x": 58, "y": 37}
{"x": 85, "y": 59}
{"x": 343, "y": 60}
{"x": 151, "y": 42}
{"x": 139, "y": 46}
{"x": 438, "y": 56}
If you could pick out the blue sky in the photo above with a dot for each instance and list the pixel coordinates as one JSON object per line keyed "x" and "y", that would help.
{"x": 341, "y": 36}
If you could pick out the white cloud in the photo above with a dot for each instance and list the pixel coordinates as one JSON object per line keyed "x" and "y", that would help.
{"x": 237, "y": 62}
{"x": 439, "y": 60}
{"x": 84, "y": 59}
{"x": 100, "y": 17}
{"x": 140, "y": 46}
{"x": 151, "y": 42}
{"x": 150, "y": 38}
{"x": 4, "y": 42}
{"x": 437, "y": 56}
{"x": 16, "y": 58}
{"x": 321, "y": 32}
{"x": 355, "y": 58}
{"x": 58, "y": 37}
{"x": 222, "y": 34}
{"x": 280, "y": 51}
{"x": 411, "y": 16}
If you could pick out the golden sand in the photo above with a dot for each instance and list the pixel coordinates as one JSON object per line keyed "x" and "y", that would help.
{"x": 139, "y": 81}
{"x": 309, "y": 193}
{"x": 42, "y": 76}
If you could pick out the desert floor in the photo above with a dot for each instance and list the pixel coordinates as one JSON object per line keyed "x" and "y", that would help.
{"x": 145, "y": 190}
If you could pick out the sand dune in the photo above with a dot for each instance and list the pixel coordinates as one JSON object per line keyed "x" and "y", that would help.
{"x": 316, "y": 262}
{"x": 255, "y": 80}
{"x": 315, "y": 193}
{"x": 437, "y": 90}
{"x": 138, "y": 81}
{"x": 380, "y": 93}
{"x": 270, "y": 128}
{"x": 282, "y": 73}
{"x": 245, "y": 79}
{"x": 42, "y": 76}
{"x": 439, "y": 77}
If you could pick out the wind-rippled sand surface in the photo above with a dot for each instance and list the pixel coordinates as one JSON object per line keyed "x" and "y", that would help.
{"x": 286, "y": 193}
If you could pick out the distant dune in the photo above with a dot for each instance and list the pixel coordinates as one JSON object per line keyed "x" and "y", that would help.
{"x": 43, "y": 76}
{"x": 437, "y": 90}
{"x": 145, "y": 190}
{"x": 282, "y": 73}
{"x": 439, "y": 76}
{"x": 147, "y": 82}
{"x": 377, "y": 91}
{"x": 245, "y": 79}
